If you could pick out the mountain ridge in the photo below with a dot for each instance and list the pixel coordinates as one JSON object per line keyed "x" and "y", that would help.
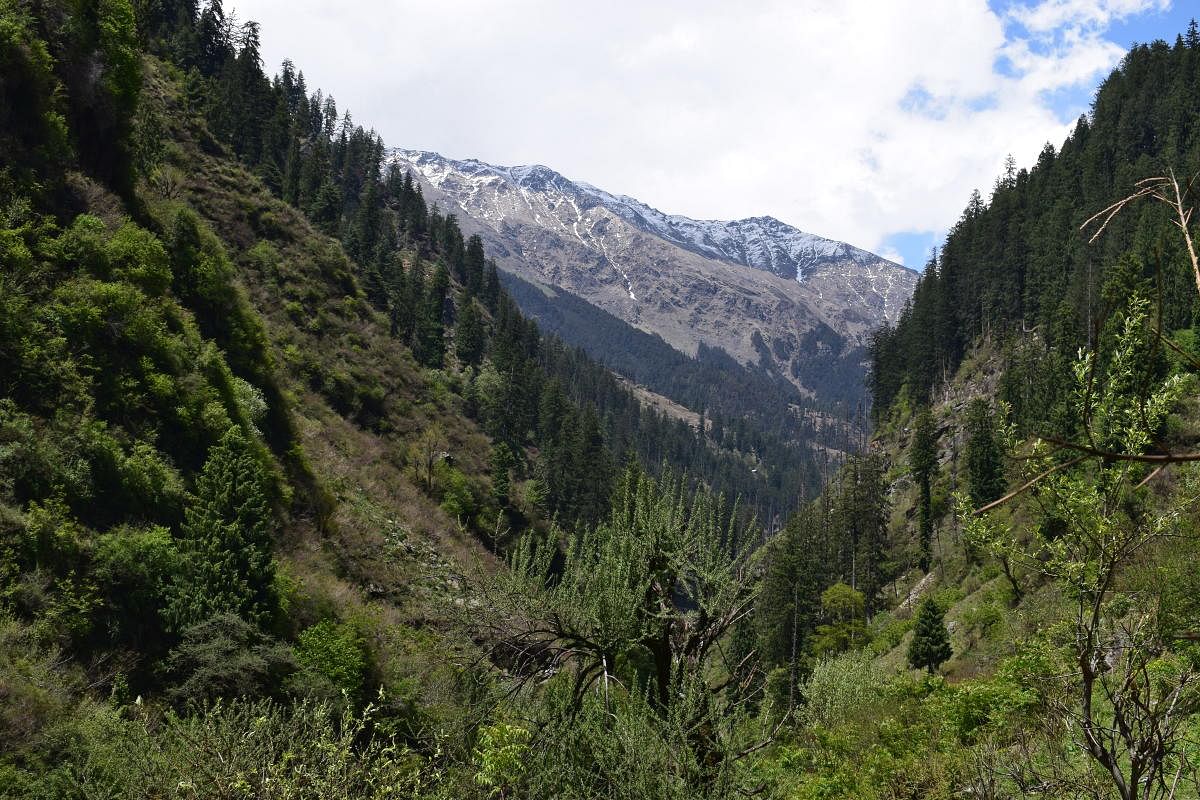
{"x": 819, "y": 248}
{"x": 764, "y": 291}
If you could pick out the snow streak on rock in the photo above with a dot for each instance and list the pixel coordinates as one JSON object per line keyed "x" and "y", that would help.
{"x": 762, "y": 290}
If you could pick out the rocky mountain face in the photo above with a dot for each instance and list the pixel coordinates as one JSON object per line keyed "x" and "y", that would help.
{"x": 770, "y": 295}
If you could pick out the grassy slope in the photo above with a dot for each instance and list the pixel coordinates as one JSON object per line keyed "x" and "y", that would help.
{"x": 983, "y": 620}
{"x": 377, "y": 544}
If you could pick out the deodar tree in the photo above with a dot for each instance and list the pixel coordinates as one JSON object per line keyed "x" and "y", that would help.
{"x": 625, "y": 625}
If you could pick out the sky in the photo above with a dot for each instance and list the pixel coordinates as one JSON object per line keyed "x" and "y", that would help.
{"x": 868, "y": 121}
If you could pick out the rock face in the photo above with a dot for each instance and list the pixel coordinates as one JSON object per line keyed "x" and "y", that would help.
{"x": 768, "y": 294}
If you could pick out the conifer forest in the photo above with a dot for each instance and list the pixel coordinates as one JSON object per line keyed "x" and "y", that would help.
{"x": 303, "y": 495}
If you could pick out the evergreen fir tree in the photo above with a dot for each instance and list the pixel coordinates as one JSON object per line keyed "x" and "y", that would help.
{"x": 491, "y": 287}
{"x": 226, "y": 540}
{"x": 500, "y": 462}
{"x": 985, "y": 468}
{"x": 475, "y": 266}
{"x": 469, "y": 337}
{"x": 923, "y": 462}
{"x": 789, "y": 600}
{"x": 930, "y": 645}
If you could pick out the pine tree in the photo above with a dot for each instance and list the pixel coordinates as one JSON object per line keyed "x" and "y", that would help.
{"x": 226, "y": 540}
{"x": 870, "y": 521}
{"x": 475, "y": 266}
{"x": 985, "y": 468}
{"x": 491, "y": 287}
{"x": 930, "y": 645}
{"x": 429, "y": 343}
{"x": 923, "y": 462}
{"x": 500, "y": 462}
{"x": 789, "y": 600}
{"x": 469, "y": 338}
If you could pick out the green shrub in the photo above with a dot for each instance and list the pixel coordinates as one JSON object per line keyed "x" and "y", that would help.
{"x": 238, "y": 749}
{"x": 136, "y": 255}
{"x": 134, "y": 567}
{"x": 500, "y": 758}
{"x": 225, "y": 657}
{"x": 331, "y": 657}
{"x": 838, "y": 687}
{"x": 457, "y": 498}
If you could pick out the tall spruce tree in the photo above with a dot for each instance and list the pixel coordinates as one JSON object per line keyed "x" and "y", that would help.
{"x": 923, "y": 462}
{"x": 500, "y": 462}
{"x": 930, "y": 645}
{"x": 985, "y": 467}
{"x": 226, "y": 540}
{"x": 789, "y": 601}
{"x": 469, "y": 335}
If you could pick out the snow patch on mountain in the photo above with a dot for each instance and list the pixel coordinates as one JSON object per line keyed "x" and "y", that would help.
{"x": 760, "y": 242}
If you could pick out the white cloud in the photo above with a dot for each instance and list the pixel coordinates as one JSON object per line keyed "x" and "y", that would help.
{"x": 850, "y": 119}
{"x": 891, "y": 254}
{"x": 1050, "y": 15}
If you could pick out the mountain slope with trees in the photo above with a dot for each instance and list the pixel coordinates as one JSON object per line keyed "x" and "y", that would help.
{"x": 270, "y": 424}
{"x": 294, "y": 502}
{"x": 776, "y": 299}
{"x": 1037, "y": 424}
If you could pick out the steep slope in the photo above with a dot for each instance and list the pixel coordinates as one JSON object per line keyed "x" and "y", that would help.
{"x": 761, "y": 290}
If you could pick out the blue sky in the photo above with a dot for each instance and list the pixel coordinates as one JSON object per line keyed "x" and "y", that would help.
{"x": 1067, "y": 103}
{"x": 868, "y": 121}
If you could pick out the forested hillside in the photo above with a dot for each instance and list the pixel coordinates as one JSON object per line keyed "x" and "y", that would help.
{"x": 1036, "y": 431}
{"x": 294, "y": 502}
{"x": 1017, "y": 261}
{"x": 282, "y": 465}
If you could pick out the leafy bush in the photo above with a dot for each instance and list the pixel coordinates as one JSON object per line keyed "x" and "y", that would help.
{"x": 500, "y": 757}
{"x": 135, "y": 567}
{"x": 457, "y": 499}
{"x": 332, "y": 661}
{"x": 239, "y": 749}
{"x": 839, "y": 686}
{"x": 972, "y": 707}
{"x": 137, "y": 256}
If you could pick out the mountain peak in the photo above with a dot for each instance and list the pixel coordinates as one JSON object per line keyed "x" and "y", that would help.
{"x": 763, "y": 290}
{"x": 761, "y": 242}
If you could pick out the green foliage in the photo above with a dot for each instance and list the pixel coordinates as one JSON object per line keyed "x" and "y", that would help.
{"x": 976, "y": 710}
{"x": 458, "y": 500}
{"x": 469, "y": 335}
{"x": 119, "y": 48}
{"x": 226, "y": 541}
{"x": 500, "y": 464}
{"x": 1103, "y": 524}
{"x": 137, "y": 256}
{"x": 500, "y": 757}
{"x": 238, "y": 750}
{"x": 839, "y": 688}
{"x": 842, "y": 609}
{"x": 924, "y": 464}
{"x": 655, "y": 589}
{"x": 786, "y": 613}
{"x": 136, "y": 566}
{"x": 33, "y": 132}
{"x": 225, "y": 657}
{"x": 333, "y": 655}
{"x": 985, "y": 466}
{"x": 930, "y": 645}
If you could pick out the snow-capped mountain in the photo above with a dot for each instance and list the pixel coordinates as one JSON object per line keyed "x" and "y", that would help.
{"x": 759, "y": 242}
{"x": 764, "y": 291}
